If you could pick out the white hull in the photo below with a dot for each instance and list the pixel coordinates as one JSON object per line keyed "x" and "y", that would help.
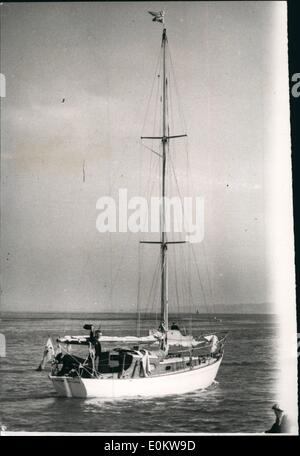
{"x": 163, "y": 385}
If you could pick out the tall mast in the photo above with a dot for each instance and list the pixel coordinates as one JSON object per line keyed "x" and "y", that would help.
{"x": 163, "y": 247}
{"x": 159, "y": 17}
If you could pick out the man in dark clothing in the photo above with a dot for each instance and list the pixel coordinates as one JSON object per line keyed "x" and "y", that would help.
{"x": 95, "y": 341}
{"x": 281, "y": 425}
{"x": 175, "y": 326}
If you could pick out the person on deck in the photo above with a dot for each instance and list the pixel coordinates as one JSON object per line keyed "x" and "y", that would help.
{"x": 175, "y": 326}
{"x": 162, "y": 327}
{"x": 95, "y": 341}
{"x": 281, "y": 425}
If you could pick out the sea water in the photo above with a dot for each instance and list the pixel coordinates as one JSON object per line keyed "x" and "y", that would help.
{"x": 239, "y": 401}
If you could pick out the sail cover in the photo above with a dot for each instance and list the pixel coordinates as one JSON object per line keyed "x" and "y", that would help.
{"x": 84, "y": 340}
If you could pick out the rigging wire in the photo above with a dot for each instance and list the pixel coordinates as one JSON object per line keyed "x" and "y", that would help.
{"x": 154, "y": 282}
{"x": 153, "y": 165}
{"x": 180, "y": 110}
{"x": 185, "y": 258}
{"x": 189, "y": 181}
{"x": 199, "y": 277}
{"x": 121, "y": 260}
{"x": 138, "y": 328}
{"x": 158, "y": 63}
{"x": 186, "y": 278}
{"x": 176, "y": 282}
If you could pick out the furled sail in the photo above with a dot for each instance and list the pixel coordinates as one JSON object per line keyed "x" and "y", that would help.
{"x": 84, "y": 340}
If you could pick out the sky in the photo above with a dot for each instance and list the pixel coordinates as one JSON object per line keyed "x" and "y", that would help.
{"x": 100, "y": 58}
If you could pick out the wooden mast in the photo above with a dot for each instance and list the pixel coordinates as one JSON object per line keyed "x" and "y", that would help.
{"x": 164, "y": 139}
{"x": 163, "y": 238}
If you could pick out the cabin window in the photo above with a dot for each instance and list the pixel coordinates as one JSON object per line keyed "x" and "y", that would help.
{"x": 168, "y": 368}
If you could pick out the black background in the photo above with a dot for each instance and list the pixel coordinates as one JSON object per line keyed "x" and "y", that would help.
{"x": 294, "y": 67}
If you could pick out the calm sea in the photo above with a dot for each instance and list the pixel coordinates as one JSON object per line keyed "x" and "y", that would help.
{"x": 239, "y": 401}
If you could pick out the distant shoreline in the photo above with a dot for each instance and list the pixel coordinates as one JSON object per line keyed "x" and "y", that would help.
{"x": 122, "y": 315}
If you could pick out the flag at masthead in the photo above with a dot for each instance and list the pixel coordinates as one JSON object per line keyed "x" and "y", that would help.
{"x": 158, "y": 17}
